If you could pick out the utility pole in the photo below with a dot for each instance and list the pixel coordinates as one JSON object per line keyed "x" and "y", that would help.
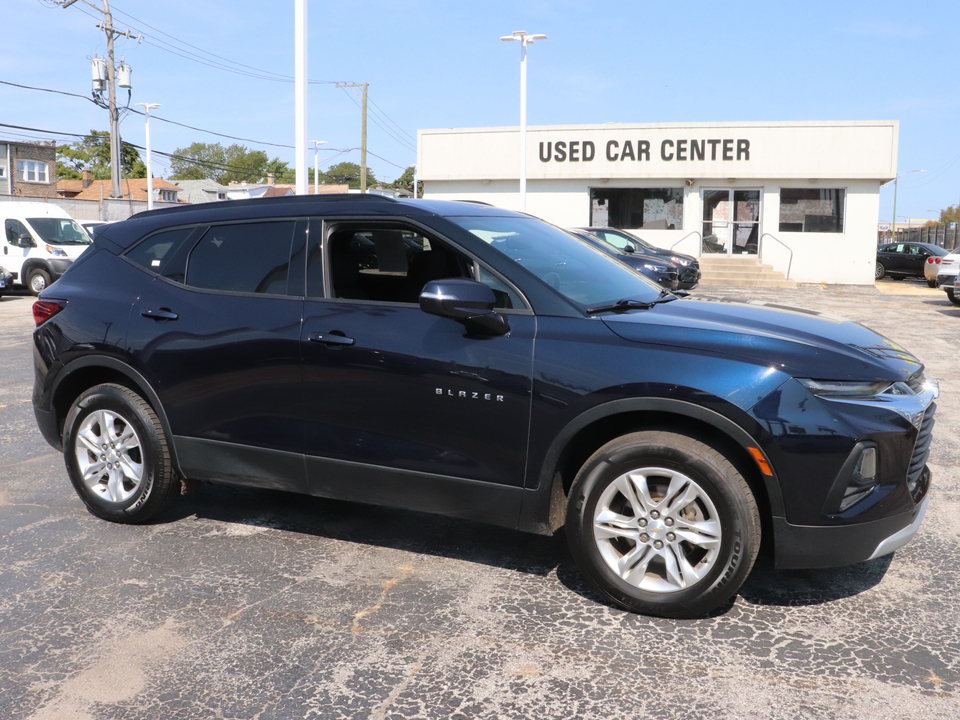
{"x": 363, "y": 144}
{"x": 114, "y": 117}
{"x": 300, "y": 90}
{"x": 115, "y": 148}
{"x": 363, "y": 136}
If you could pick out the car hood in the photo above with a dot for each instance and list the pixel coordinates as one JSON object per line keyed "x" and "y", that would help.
{"x": 802, "y": 343}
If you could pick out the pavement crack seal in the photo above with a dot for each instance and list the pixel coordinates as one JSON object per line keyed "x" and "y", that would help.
{"x": 405, "y": 571}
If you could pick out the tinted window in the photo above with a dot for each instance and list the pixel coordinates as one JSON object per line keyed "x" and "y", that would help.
{"x": 248, "y": 257}
{"x": 153, "y": 252}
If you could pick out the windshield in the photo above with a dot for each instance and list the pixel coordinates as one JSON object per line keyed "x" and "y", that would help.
{"x": 59, "y": 231}
{"x": 621, "y": 238}
{"x": 584, "y": 275}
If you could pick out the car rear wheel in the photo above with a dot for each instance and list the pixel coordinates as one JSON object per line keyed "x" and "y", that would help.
{"x": 931, "y": 283}
{"x": 880, "y": 271}
{"x": 953, "y": 298}
{"x": 663, "y": 524}
{"x": 117, "y": 455}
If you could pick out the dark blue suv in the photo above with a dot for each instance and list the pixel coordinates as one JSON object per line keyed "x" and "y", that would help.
{"x": 459, "y": 359}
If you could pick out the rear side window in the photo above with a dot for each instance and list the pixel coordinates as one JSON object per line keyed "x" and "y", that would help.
{"x": 247, "y": 258}
{"x": 154, "y": 252}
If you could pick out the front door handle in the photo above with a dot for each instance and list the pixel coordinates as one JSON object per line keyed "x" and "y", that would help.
{"x": 333, "y": 338}
{"x": 161, "y": 314}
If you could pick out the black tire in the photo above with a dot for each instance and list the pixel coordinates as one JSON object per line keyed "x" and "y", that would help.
{"x": 953, "y": 298}
{"x": 127, "y": 433}
{"x": 707, "y": 490}
{"x": 38, "y": 281}
{"x": 879, "y": 271}
{"x": 931, "y": 283}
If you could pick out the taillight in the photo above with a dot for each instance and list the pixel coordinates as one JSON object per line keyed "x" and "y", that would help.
{"x": 43, "y": 310}
{"x": 938, "y": 261}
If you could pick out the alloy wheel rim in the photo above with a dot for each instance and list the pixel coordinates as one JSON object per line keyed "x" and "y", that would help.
{"x": 109, "y": 456}
{"x": 657, "y": 529}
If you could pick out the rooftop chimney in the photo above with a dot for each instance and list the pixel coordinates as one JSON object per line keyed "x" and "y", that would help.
{"x": 87, "y": 179}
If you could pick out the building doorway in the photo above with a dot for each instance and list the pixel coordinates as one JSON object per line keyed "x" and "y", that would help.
{"x": 731, "y": 221}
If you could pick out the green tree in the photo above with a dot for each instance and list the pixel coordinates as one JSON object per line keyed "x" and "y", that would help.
{"x": 236, "y": 163}
{"x": 282, "y": 172}
{"x": 93, "y": 153}
{"x": 347, "y": 173}
{"x": 405, "y": 181}
{"x": 951, "y": 214}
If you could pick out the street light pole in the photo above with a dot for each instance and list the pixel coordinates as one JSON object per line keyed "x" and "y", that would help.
{"x": 893, "y": 230}
{"x": 524, "y": 39}
{"x": 316, "y": 165}
{"x": 147, "y": 108}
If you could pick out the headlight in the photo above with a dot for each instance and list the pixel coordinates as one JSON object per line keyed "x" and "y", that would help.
{"x": 55, "y": 251}
{"x": 844, "y": 388}
{"x": 651, "y": 266}
{"x": 679, "y": 260}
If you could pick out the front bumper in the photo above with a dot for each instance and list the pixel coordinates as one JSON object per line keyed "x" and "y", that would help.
{"x": 811, "y": 547}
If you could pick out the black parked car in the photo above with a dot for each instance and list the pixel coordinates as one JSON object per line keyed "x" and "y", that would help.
{"x": 688, "y": 266}
{"x": 500, "y": 370}
{"x": 905, "y": 259}
{"x": 663, "y": 272}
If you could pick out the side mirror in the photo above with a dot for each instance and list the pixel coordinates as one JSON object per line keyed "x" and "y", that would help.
{"x": 25, "y": 241}
{"x": 629, "y": 249}
{"x": 465, "y": 301}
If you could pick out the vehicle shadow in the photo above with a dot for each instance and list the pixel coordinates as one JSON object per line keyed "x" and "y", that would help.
{"x": 374, "y": 525}
{"x": 473, "y": 542}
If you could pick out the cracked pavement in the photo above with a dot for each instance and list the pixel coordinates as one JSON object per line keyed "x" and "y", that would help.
{"x": 242, "y": 604}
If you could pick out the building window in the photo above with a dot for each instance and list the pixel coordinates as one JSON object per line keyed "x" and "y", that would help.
{"x": 636, "y": 208}
{"x": 168, "y": 195}
{"x": 32, "y": 171}
{"x": 3, "y": 161}
{"x": 811, "y": 210}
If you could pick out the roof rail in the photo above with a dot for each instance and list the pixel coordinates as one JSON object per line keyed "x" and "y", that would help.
{"x": 286, "y": 200}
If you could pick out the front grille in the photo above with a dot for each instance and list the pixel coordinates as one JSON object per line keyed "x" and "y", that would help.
{"x": 921, "y": 451}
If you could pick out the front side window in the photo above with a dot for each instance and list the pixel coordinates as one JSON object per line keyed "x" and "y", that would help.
{"x": 14, "y": 229}
{"x": 584, "y": 275}
{"x": 246, "y": 257}
{"x": 649, "y": 208}
{"x": 393, "y": 265}
{"x": 811, "y": 210}
{"x": 32, "y": 171}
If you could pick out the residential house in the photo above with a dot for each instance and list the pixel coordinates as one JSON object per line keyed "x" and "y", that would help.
{"x": 28, "y": 169}
{"x": 131, "y": 189}
{"x": 200, "y": 191}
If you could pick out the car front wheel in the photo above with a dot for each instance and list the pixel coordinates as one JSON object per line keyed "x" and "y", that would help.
{"x": 663, "y": 524}
{"x": 117, "y": 455}
{"x": 879, "y": 271}
{"x": 39, "y": 281}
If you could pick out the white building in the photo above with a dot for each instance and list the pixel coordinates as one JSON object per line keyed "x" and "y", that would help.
{"x": 802, "y": 196}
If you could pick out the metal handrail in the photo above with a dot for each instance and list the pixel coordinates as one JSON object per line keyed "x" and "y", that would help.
{"x": 789, "y": 249}
{"x": 695, "y": 232}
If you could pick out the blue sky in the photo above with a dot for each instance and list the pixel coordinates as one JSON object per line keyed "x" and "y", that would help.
{"x": 434, "y": 64}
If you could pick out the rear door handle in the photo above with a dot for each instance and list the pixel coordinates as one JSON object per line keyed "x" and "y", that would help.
{"x": 161, "y": 314}
{"x": 331, "y": 339}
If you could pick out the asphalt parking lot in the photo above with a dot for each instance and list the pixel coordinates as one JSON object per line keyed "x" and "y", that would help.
{"x": 244, "y": 604}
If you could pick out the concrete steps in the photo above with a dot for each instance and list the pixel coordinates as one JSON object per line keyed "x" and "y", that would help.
{"x": 741, "y": 271}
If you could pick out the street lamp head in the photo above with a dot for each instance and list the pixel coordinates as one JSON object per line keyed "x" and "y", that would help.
{"x": 508, "y": 38}
{"x": 537, "y": 37}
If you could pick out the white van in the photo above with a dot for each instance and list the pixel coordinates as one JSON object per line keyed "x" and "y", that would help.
{"x": 39, "y": 242}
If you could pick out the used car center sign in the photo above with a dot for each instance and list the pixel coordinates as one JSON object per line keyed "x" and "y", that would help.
{"x": 807, "y": 151}
{"x": 628, "y": 150}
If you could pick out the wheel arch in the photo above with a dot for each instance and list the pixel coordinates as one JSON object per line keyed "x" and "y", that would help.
{"x": 545, "y": 508}
{"x": 91, "y": 370}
